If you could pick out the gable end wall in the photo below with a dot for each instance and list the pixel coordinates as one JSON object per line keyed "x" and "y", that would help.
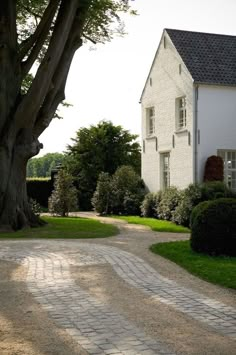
{"x": 167, "y": 85}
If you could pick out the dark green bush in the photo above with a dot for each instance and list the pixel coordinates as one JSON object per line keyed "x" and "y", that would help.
{"x": 150, "y": 204}
{"x": 196, "y": 193}
{"x": 122, "y": 193}
{"x": 213, "y": 227}
{"x": 131, "y": 203}
{"x": 102, "y": 197}
{"x": 170, "y": 199}
{"x": 215, "y": 189}
{"x": 39, "y": 189}
{"x": 64, "y": 197}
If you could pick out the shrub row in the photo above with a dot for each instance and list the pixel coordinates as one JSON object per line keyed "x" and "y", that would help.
{"x": 176, "y": 205}
{"x": 213, "y": 227}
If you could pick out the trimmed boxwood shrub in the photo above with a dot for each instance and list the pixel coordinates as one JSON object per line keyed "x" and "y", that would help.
{"x": 213, "y": 227}
{"x": 39, "y": 189}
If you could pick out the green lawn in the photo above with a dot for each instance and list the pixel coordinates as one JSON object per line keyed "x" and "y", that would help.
{"x": 218, "y": 270}
{"x": 69, "y": 228}
{"x": 155, "y": 224}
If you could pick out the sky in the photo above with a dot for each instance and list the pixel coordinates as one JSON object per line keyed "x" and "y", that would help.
{"x": 106, "y": 83}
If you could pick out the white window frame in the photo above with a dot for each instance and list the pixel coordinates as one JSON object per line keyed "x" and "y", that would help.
{"x": 181, "y": 113}
{"x": 229, "y": 159}
{"x": 150, "y": 120}
{"x": 165, "y": 170}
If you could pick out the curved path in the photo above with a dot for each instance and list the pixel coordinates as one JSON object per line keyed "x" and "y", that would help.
{"x": 112, "y": 301}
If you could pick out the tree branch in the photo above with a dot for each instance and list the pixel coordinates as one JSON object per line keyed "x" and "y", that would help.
{"x": 37, "y": 39}
{"x": 89, "y": 39}
{"x": 9, "y": 83}
{"x": 56, "y": 95}
{"x": 27, "y": 112}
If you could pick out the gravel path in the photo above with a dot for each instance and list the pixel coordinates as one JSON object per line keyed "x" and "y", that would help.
{"x": 108, "y": 296}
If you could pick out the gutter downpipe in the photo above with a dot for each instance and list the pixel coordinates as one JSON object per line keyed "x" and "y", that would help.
{"x": 195, "y": 134}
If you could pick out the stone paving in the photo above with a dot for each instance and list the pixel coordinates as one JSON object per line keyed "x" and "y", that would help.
{"x": 142, "y": 276}
{"x": 97, "y": 328}
{"x": 94, "y": 325}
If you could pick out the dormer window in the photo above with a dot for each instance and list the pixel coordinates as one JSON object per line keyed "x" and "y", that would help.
{"x": 150, "y": 120}
{"x": 181, "y": 113}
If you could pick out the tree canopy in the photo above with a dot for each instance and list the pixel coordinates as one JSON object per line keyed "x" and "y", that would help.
{"x": 38, "y": 41}
{"x": 42, "y": 167}
{"x": 100, "y": 148}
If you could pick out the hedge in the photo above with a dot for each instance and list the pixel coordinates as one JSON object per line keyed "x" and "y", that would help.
{"x": 39, "y": 189}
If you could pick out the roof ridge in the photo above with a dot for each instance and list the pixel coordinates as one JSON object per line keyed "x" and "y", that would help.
{"x": 199, "y": 32}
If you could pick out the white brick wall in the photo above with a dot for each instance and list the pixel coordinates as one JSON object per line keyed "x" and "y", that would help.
{"x": 167, "y": 85}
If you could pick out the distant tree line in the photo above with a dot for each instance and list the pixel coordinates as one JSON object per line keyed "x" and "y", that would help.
{"x": 41, "y": 167}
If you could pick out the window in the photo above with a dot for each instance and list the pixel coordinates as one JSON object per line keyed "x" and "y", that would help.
{"x": 181, "y": 113}
{"x": 229, "y": 158}
{"x": 150, "y": 113}
{"x": 165, "y": 170}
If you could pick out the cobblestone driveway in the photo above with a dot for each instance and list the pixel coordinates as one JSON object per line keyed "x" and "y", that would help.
{"x": 94, "y": 324}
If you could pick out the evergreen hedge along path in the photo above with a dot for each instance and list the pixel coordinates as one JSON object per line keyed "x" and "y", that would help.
{"x": 67, "y": 228}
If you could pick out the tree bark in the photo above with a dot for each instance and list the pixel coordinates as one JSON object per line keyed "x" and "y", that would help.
{"x": 15, "y": 212}
{"x": 23, "y": 118}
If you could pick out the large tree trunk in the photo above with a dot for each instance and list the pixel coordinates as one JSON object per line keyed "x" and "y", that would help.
{"x": 23, "y": 118}
{"x": 15, "y": 211}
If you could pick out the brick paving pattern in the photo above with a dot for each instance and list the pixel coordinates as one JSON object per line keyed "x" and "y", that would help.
{"x": 139, "y": 274}
{"x": 97, "y": 328}
{"x": 94, "y": 325}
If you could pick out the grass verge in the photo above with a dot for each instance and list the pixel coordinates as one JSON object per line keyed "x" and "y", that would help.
{"x": 155, "y": 224}
{"x": 219, "y": 270}
{"x": 68, "y": 228}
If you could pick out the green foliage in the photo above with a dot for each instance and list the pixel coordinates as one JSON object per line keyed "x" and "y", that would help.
{"x": 121, "y": 193}
{"x": 216, "y": 269}
{"x": 39, "y": 190}
{"x": 170, "y": 199}
{"x": 35, "y": 207}
{"x": 42, "y": 167}
{"x": 102, "y": 198}
{"x": 215, "y": 189}
{"x": 150, "y": 204}
{"x": 64, "y": 197}
{"x": 214, "y": 227}
{"x": 128, "y": 191}
{"x": 102, "y": 19}
{"x": 100, "y": 148}
{"x": 190, "y": 197}
{"x": 177, "y": 205}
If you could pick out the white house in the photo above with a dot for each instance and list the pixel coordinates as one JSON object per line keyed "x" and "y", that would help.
{"x": 189, "y": 109}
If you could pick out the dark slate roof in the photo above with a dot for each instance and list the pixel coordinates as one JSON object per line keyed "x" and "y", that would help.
{"x": 210, "y": 58}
